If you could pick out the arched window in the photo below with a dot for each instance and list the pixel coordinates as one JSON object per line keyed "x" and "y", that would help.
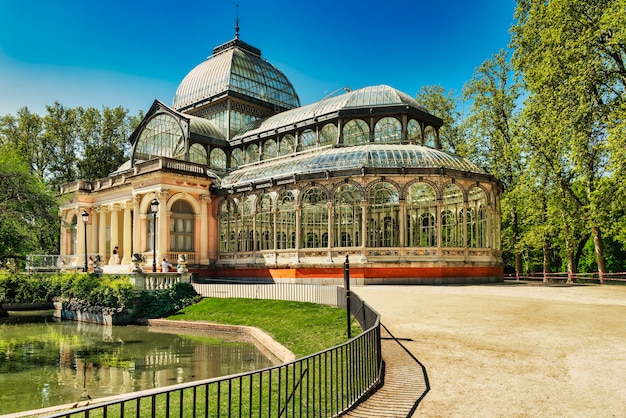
{"x": 252, "y": 153}
{"x": 228, "y": 226}
{"x": 269, "y": 149}
{"x": 181, "y": 227}
{"x": 328, "y": 135}
{"x": 286, "y": 145}
{"x": 197, "y": 154}
{"x": 161, "y": 137}
{"x": 430, "y": 137}
{"x": 236, "y": 158}
{"x": 388, "y": 130}
{"x": 414, "y": 132}
{"x": 245, "y": 236}
{"x": 286, "y": 220}
{"x": 421, "y": 215}
{"x": 347, "y": 216}
{"x": 356, "y": 132}
{"x": 265, "y": 223}
{"x": 477, "y": 234}
{"x": 314, "y": 218}
{"x": 218, "y": 159}
{"x": 451, "y": 211}
{"x": 308, "y": 140}
{"x": 382, "y": 217}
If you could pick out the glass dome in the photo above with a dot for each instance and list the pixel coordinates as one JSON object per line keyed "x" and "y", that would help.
{"x": 236, "y": 67}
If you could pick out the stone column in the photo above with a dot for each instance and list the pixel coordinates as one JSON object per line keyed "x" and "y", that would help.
{"x": 162, "y": 227}
{"x": 128, "y": 231}
{"x": 102, "y": 234}
{"x": 92, "y": 231}
{"x": 115, "y": 227}
{"x": 136, "y": 246}
{"x": 80, "y": 237}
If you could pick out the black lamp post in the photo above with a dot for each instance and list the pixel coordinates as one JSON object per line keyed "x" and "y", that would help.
{"x": 85, "y": 216}
{"x": 154, "y": 208}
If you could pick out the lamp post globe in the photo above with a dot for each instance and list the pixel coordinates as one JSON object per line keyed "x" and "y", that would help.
{"x": 154, "y": 208}
{"x": 85, "y": 216}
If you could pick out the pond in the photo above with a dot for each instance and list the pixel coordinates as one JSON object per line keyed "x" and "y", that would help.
{"x": 51, "y": 362}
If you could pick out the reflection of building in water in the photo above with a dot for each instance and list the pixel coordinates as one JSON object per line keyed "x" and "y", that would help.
{"x": 252, "y": 184}
{"x": 107, "y": 369}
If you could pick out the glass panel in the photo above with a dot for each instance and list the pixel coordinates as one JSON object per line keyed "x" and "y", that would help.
{"x": 308, "y": 140}
{"x": 388, "y": 130}
{"x": 328, "y": 134}
{"x": 430, "y": 137}
{"x": 252, "y": 153}
{"x": 287, "y": 145}
{"x": 356, "y": 132}
{"x": 286, "y": 221}
{"x": 383, "y": 212}
{"x": 197, "y": 154}
{"x": 269, "y": 149}
{"x": 414, "y": 132}
{"x": 236, "y": 158}
{"x": 347, "y": 216}
{"x": 421, "y": 210}
{"x": 477, "y": 201}
{"x": 228, "y": 225}
{"x": 218, "y": 159}
{"x": 314, "y": 218}
{"x": 161, "y": 137}
{"x": 265, "y": 223}
{"x": 451, "y": 216}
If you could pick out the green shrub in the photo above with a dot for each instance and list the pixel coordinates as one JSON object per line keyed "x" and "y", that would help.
{"x": 165, "y": 302}
{"x": 105, "y": 291}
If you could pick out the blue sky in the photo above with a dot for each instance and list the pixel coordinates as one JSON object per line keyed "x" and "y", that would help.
{"x": 130, "y": 52}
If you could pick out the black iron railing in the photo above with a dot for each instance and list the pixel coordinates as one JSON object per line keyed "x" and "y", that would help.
{"x": 320, "y": 385}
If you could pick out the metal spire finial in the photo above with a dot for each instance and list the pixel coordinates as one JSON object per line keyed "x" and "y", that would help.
{"x": 237, "y": 23}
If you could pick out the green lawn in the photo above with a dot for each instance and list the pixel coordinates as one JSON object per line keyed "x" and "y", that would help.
{"x": 304, "y": 328}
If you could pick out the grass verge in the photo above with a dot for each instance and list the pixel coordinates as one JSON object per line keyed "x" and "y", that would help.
{"x": 304, "y": 328}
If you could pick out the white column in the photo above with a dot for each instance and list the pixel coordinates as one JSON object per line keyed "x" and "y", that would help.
{"x": 80, "y": 238}
{"x": 115, "y": 225}
{"x": 102, "y": 234}
{"x": 162, "y": 227}
{"x": 128, "y": 230}
{"x": 136, "y": 245}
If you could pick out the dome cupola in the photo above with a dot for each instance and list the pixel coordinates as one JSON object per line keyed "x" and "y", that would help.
{"x": 236, "y": 69}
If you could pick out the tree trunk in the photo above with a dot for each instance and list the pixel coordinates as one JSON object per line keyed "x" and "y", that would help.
{"x": 546, "y": 260}
{"x": 599, "y": 249}
{"x": 518, "y": 256}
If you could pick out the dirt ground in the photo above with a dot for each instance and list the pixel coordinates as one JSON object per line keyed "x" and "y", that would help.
{"x": 513, "y": 350}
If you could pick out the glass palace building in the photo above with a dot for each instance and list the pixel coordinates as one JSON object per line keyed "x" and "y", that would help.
{"x": 253, "y": 185}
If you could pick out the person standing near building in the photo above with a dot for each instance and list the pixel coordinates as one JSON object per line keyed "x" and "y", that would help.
{"x": 165, "y": 265}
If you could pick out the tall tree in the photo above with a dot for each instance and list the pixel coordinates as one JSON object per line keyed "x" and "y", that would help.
{"x": 445, "y": 105}
{"x": 28, "y": 210}
{"x": 60, "y": 132}
{"x": 493, "y": 138}
{"x": 104, "y": 140}
{"x": 574, "y": 70}
{"x": 24, "y": 134}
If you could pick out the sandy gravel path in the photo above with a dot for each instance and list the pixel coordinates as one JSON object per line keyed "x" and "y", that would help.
{"x": 513, "y": 350}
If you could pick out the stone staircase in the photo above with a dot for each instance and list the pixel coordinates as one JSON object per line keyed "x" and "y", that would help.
{"x": 405, "y": 384}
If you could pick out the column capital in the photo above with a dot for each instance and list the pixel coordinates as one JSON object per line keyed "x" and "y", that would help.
{"x": 206, "y": 198}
